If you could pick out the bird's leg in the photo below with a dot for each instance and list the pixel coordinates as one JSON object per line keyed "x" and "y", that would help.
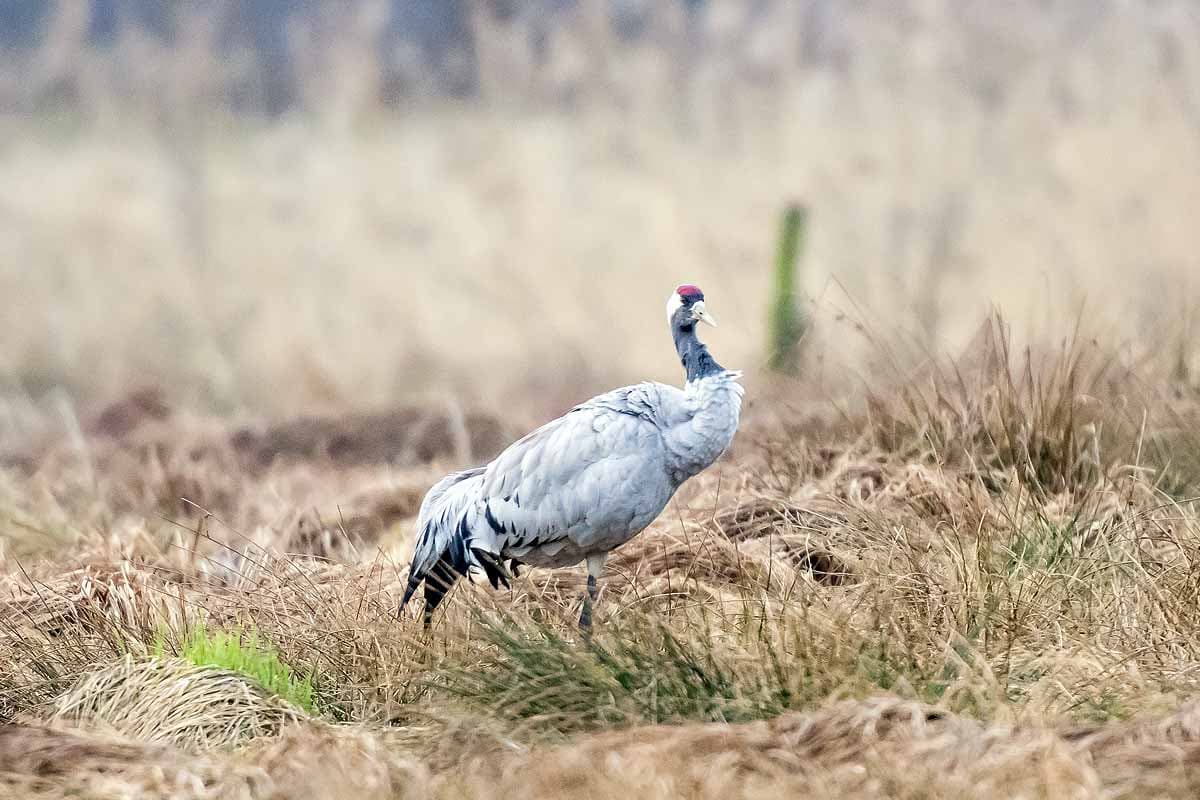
{"x": 595, "y": 565}
{"x": 585, "y": 616}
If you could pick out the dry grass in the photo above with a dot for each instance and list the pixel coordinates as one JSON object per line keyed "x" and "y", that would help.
{"x": 879, "y": 748}
{"x": 883, "y": 747}
{"x": 245, "y": 349}
{"x": 981, "y": 582}
{"x": 174, "y": 702}
{"x": 46, "y": 763}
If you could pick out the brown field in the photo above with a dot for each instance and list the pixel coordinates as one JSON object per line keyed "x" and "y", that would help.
{"x": 956, "y": 556}
{"x": 982, "y": 582}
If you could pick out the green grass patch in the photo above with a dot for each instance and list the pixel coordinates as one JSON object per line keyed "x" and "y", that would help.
{"x": 1041, "y": 545}
{"x": 643, "y": 669}
{"x": 242, "y": 652}
{"x": 633, "y": 672}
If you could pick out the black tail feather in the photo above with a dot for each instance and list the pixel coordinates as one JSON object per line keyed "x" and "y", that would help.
{"x": 454, "y": 563}
{"x": 493, "y": 568}
{"x": 457, "y": 552}
{"x": 438, "y": 582}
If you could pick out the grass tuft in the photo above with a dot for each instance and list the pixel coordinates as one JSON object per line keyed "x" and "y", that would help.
{"x": 637, "y": 671}
{"x": 242, "y": 652}
{"x": 168, "y": 700}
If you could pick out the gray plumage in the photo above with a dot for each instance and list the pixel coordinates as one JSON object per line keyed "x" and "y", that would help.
{"x": 585, "y": 483}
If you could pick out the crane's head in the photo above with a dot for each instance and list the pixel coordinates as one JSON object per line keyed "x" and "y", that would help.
{"x": 685, "y": 307}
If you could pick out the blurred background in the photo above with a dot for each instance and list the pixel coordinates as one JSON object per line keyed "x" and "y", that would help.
{"x": 273, "y": 207}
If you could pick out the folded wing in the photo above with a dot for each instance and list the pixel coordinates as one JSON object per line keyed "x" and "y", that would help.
{"x": 592, "y": 475}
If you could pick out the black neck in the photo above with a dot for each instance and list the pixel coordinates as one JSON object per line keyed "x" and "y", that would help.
{"x": 693, "y": 353}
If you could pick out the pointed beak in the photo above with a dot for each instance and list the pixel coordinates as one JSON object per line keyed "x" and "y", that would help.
{"x": 700, "y": 313}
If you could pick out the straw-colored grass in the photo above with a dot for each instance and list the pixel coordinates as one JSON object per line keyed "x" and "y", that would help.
{"x": 980, "y": 581}
{"x": 176, "y": 702}
{"x": 243, "y": 349}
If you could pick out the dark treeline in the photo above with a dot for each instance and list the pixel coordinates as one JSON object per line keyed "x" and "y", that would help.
{"x": 440, "y": 31}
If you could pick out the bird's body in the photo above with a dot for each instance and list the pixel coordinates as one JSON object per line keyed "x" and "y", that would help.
{"x": 583, "y": 484}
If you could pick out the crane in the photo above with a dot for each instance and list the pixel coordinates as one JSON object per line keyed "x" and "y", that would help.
{"x": 581, "y": 485}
